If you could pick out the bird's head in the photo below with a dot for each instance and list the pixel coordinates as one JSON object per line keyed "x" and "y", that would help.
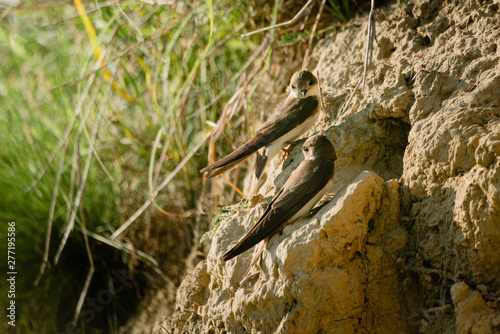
{"x": 318, "y": 146}
{"x": 303, "y": 84}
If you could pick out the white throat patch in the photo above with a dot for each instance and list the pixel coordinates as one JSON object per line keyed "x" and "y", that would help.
{"x": 313, "y": 91}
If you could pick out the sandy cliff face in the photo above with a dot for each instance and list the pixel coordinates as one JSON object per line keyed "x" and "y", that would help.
{"x": 410, "y": 239}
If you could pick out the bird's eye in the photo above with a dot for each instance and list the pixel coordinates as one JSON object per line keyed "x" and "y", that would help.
{"x": 306, "y": 148}
{"x": 293, "y": 87}
{"x": 311, "y": 82}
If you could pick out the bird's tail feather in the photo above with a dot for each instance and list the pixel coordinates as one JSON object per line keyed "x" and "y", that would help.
{"x": 230, "y": 160}
{"x": 212, "y": 173}
{"x": 247, "y": 242}
{"x": 236, "y": 250}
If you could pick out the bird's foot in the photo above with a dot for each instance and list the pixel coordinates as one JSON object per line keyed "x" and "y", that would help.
{"x": 290, "y": 146}
{"x": 285, "y": 153}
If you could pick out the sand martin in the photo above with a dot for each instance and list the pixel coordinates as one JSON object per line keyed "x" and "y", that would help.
{"x": 297, "y": 115}
{"x": 304, "y": 188}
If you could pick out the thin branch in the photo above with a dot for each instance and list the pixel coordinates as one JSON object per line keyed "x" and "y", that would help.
{"x": 51, "y": 214}
{"x": 322, "y": 106}
{"x": 311, "y": 38}
{"x": 85, "y": 289}
{"x": 88, "y": 11}
{"x": 243, "y": 84}
{"x": 166, "y": 213}
{"x": 336, "y": 97}
{"x": 58, "y": 181}
{"x": 66, "y": 135}
{"x": 292, "y": 21}
{"x": 249, "y": 62}
{"x": 76, "y": 164}
{"x": 368, "y": 55}
{"x": 83, "y": 294}
{"x": 159, "y": 33}
{"x": 303, "y": 25}
{"x": 225, "y": 39}
{"x": 233, "y": 186}
{"x": 203, "y": 108}
{"x": 123, "y": 247}
{"x": 86, "y": 169}
{"x": 344, "y": 107}
{"x": 160, "y": 187}
{"x": 370, "y": 36}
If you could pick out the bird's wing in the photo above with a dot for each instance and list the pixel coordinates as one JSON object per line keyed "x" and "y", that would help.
{"x": 304, "y": 183}
{"x": 292, "y": 113}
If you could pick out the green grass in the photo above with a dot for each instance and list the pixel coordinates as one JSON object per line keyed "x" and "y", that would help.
{"x": 221, "y": 214}
{"x": 340, "y": 8}
{"x": 170, "y": 63}
{"x": 65, "y": 129}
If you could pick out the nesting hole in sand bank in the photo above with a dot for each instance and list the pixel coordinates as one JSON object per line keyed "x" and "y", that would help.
{"x": 389, "y": 164}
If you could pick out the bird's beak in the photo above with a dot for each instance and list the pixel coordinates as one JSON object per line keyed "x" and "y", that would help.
{"x": 299, "y": 94}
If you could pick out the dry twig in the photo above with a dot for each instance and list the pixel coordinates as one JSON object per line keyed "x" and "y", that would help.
{"x": 292, "y": 21}
{"x": 322, "y": 106}
{"x": 160, "y": 187}
{"x": 90, "y": 274}
{"x": 79, "y": 193}
{"x": 51, "y": 214}
{"x": 371, "y": 36}
{"x": 64, "y": 143}
{"x": 313, "y": 32}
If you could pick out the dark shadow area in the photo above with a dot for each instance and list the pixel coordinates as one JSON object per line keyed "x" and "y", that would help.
{"x": 390, "y": 164}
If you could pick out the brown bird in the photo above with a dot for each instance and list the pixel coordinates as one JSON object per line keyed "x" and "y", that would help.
{"x": 305, "y": 187}
{"x": 297, "y": 114}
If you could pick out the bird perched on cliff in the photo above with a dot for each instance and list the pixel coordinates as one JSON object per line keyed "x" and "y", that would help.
{"x": 297, "y": 114}
{"x": 303, "y": 189}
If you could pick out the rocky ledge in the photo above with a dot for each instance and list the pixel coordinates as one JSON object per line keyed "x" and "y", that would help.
{"x": 409, "y": 240}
